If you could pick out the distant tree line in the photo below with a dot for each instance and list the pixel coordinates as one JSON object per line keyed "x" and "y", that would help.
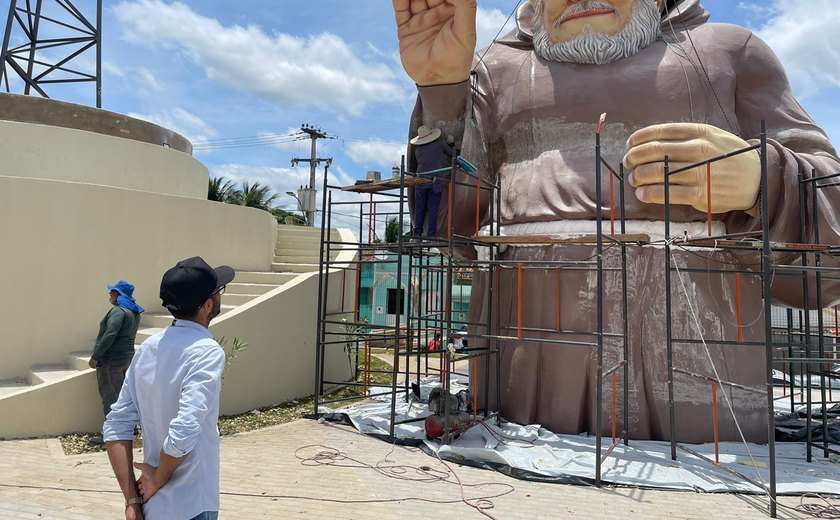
{"x": 250, "y": 194}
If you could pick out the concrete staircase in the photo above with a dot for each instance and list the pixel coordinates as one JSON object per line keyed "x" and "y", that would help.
{"x": 296, "y": 253}
{"x": 298, "y": 250}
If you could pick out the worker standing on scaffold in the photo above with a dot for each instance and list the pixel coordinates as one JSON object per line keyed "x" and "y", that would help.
{"x": 431, "y": 153}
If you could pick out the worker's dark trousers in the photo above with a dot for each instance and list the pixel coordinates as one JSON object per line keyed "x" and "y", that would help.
{"x": 426, "y": 201}
{"x": 110, "y": 379}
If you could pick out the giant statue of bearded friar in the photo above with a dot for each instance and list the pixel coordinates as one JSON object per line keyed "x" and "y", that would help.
{"x": 672, "y": 85}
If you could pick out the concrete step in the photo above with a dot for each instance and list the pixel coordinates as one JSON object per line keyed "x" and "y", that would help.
{"x": 279, "y": 267}
{"x": 39, "y": 374}
{"x": 160, "y": 320}
{"x": 302, "y": 231}
{"x": 146, "y": 333}
{"x": 254, "y": 277}
{"x": 11, "y": 386}
{"x": 303, "y": 259}
{"x": 157, "y": 320}
{"x": 306, "y": 232}
{"x": 312, "y": 243}
{"x": 237, "y": 299}
{"x": 79, "y": 360}
{"x": 249, "y": 288}
{"x": 292, "y": 251}
{"x": 306, "y": 256}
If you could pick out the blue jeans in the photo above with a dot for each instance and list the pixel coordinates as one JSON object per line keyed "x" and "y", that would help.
{"x": 207, "y": 515}
{"x": 426, "y": 201}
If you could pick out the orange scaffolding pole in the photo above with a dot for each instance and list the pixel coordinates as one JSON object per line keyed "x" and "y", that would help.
{"x": 715, "y": 419}
{"x": 558, "y": 302}
{"x": 612, "y": 205}
{"x": 519, "y": 301}
{"x": 370, "y": 220}
{"x": 614, "y": 414}
{"x": 709, "y": 196}
{"x": 738, "y": 307}
{"x": 449, "y": 208}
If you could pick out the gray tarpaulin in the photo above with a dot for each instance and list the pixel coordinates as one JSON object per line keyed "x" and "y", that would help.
{"x": 532, "y": 452}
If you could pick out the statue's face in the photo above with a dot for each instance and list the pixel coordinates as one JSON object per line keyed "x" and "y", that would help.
{"x": 565, "y": 20}
{"x": 593, "y": 31}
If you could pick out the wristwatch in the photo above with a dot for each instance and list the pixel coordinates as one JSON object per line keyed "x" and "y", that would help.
{"x": 132, "y": 501}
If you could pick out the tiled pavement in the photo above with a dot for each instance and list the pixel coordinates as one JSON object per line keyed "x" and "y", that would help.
{"x": 263, "y": 477}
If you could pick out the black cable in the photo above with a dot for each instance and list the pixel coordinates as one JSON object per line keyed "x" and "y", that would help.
{"x": 702, "y": 66}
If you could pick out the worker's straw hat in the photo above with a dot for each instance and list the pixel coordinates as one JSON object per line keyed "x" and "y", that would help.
{"x": 425, "y": 135}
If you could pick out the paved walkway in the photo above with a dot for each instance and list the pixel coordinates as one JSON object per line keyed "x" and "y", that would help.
{"x": 264, "y": 476}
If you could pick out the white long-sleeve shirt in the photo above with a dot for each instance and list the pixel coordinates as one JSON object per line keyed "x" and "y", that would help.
{"x": 172, "y": 390}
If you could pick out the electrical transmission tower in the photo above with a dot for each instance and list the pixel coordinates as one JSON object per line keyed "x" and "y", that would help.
{"x": 314, "y": 161}
{"x": 46, "y": 42}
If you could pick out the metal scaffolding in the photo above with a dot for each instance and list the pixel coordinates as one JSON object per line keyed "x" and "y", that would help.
{"x": 431, "y": 265}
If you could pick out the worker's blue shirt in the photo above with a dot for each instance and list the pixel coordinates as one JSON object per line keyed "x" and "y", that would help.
{"x": 433, "y": 156}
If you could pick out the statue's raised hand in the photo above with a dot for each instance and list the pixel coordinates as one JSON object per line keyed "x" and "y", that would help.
{"x": 437, "y": 39}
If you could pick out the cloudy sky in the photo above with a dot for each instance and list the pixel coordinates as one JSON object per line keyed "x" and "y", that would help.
{"x": 239, "y": 78}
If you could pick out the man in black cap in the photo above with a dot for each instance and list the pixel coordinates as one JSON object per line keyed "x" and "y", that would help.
{"x": 172, "y": 389}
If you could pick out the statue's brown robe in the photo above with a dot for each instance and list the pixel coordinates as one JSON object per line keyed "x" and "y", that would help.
{"x": 531, "y": 125}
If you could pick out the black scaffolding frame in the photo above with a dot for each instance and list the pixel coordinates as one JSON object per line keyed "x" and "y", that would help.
{"x": 411, "y": 328}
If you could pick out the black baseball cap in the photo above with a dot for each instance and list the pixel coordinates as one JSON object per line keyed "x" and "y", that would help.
{"x": 188, "y": 285}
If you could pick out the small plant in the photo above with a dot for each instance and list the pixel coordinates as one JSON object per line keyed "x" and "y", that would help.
{"x": 393, "y": 229}
{"x": 351, "y": 330}
{"x": 231, "y": 353}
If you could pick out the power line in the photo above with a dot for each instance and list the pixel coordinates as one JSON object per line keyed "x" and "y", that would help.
{"x": 268, "y": 140}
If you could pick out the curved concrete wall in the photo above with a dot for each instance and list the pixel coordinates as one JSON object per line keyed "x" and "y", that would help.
{"x": 63, "y": 242}
{"x": 44, "y": 111}
{"x": 51, "y": 152}
{"x": 280, "y": 328}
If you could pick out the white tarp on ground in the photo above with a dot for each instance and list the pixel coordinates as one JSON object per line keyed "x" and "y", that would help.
{"x": 533, "y": 452}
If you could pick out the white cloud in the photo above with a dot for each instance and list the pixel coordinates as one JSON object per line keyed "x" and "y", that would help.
{"x": 179, "y": 120}
{"x": 112, "y": 68}
{"x": 383, "y": 153}
{"x": 806, "y": 40}
{"x": 147, "y": 78}
{"x": 487, "y": 25}
{"x": 757, "y": 13}
{"x": 321, "y": 70}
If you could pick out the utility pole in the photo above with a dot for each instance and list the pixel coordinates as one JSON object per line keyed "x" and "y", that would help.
{"x": 314, "y": 161}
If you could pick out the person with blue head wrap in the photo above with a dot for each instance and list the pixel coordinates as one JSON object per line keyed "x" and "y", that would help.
{"x": 114, "y": 347}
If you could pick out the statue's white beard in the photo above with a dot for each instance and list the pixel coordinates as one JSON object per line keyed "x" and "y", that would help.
{"x": 597, "y": 48}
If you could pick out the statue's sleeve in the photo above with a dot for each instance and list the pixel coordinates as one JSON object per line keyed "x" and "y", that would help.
{"x": 464, "y": 111}
{"x": 795, "y": 143}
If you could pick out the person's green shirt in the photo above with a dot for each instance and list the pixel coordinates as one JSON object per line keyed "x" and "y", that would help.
{"x": 117, "y": 332}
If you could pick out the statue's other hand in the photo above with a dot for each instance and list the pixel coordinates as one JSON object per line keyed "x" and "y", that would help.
{"x": 735, "y": 181}
{"x": 437, "y": 39}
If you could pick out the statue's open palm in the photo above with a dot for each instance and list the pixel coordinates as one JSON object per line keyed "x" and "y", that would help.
{"x": 437, "y": 39}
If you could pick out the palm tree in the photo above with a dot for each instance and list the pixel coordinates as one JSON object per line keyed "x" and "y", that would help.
{"x": 257, "y": 196}
{"x": 220, "y": 189}
{"x": 393, "y": 230}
